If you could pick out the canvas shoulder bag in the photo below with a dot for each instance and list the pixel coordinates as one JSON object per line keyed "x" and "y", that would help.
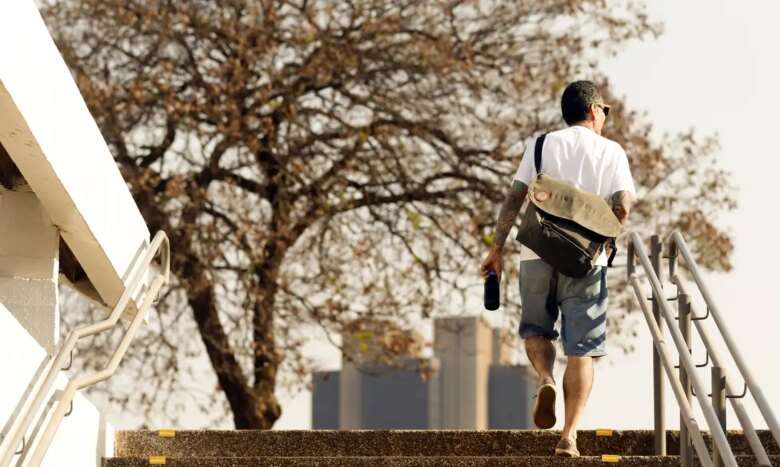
{"x": 567, "y": 227}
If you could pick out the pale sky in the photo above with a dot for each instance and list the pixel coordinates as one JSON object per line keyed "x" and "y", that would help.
{"x": 716, "y": 69}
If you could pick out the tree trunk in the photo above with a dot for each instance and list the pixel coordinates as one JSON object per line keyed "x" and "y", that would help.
{"x": 266, "y": 361}
{"x": 231, "y": 378}
{"x": 266, "y": 355}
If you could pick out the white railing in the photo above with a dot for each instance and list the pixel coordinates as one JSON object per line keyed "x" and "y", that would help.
{"x": 31, "y": 408}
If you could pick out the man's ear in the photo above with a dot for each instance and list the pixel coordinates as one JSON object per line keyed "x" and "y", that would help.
{"x": 590, "y": 114}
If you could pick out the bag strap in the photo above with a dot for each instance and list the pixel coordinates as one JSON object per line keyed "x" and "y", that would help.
{"x": 613, "y": 253}
{"x": 538, "y": 153}
{"x": 551, "y": 301}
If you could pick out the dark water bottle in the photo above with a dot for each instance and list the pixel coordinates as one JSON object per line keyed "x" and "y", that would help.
{"x": 492, "y": 298}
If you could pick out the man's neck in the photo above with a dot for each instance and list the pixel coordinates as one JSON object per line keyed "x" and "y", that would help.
{"x": 587, "y": 124}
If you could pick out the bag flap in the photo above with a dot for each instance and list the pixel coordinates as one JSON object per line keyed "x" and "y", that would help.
{"x": 560, "y": 199}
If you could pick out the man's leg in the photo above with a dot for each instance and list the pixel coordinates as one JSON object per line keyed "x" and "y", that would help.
{"x": 537, "y": 324}
{"x": 583, "y": 331}
{"x": 537, "y": 327}
{"x": 577, "y": 383}
{"x": 541, "y": 354}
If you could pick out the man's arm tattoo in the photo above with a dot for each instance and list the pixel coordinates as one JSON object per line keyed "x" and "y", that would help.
{"x": 508, "y": 214}
{"x": 622, "y": 201}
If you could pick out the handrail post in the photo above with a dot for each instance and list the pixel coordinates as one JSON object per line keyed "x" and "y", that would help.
{"x": 656, "y": 248}
{"x": 684, "y": 314}
{"x": 719, "y": 405}
{"x": 672, "y": 256}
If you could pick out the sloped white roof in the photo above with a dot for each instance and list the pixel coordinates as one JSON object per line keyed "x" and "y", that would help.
{"x": 54, "y": 141}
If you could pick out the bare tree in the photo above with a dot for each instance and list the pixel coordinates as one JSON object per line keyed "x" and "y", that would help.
{"x": 322, "y": 161}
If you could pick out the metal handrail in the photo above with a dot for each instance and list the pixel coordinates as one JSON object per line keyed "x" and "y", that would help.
{"x": 679, "y": 392}
{"x": 636, "y": 248}
{"x": 744, "y": 419}
{"x": 755, "y": 390}
{"x": 29, "y": 409}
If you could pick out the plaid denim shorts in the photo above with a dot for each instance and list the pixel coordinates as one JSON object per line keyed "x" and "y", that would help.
{"x": 582, "y": 304}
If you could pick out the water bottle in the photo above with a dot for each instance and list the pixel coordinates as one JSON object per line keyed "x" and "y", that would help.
{"x": 492, "y": 298}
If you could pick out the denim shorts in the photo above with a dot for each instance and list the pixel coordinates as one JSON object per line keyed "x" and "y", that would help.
{"x": 582, "y": 304}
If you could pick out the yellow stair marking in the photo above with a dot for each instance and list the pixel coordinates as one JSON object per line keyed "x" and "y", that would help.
{"x": 157, "y": 460}
{"x": 167, "y": 433}
{"x": 604, "y": 432}
{"x": 610, "y": 458}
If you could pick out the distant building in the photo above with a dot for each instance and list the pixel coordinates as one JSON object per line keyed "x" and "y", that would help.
{"x": 471, "y": 382}
{"x": 325, "y": 400}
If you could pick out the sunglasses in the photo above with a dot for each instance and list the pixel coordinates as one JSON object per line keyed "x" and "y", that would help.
{"x": 604, "y": 108}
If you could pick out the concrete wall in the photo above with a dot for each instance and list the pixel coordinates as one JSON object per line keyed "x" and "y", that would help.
{"x": 378, "y": 397}
{"x": 29, "y": 266}
{"x": 473, "y": 385}
{"x": 49, "y": 133}
{"x": 84, "y": 436}
{"x": 350, "y": 394}
{"x": 76, "y": 192}
{"x": 394, "y": 398}
{"x": 463, "y": 347}
{"x": 29, "y": 325}
{"x": 325, "y": 400}
{"x": 510, "y": 404}
{"x": 435, "y": 395}
{"x": 503, "y": 347}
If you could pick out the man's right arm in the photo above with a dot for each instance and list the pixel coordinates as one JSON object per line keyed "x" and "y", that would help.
{"x": 507, "y": 215}
{"x": 622, "y": 202}
{"x": 509, "y": 211}
{"x": 506, "y": 218}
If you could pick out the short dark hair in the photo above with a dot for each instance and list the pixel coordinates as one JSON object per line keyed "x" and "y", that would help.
{"x": 577, "y": 99}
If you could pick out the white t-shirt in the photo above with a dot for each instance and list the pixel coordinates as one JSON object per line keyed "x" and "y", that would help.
{"x": 585, "y": 159}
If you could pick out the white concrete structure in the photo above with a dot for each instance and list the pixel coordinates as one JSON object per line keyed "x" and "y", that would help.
{"x": 29, "y": 266}
{"x": 50, "y": 135}
{"x": 84, "y": 437}
{"x": 71, "y": 190}
{"x": 464, "y": 348}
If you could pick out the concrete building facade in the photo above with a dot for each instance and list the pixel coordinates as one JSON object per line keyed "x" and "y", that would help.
{"x": 470, "y": 382}
{"x": 463, "y": 347}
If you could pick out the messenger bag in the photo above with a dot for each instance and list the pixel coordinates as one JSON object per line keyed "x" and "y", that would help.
{"x": 567, "y": 227}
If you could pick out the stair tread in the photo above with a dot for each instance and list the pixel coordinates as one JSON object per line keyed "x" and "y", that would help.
{"x": 264, "y": 443}
{"x": 391, "y": 461}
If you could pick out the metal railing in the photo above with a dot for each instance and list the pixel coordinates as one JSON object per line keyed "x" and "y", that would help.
{"x": 687, "y": 384}
{"x": 31, "y": 408}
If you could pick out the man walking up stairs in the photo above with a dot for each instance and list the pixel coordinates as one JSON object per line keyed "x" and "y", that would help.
{"x": 581, "y": 157}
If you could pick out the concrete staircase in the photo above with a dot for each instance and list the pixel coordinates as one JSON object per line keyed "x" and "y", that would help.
{"x": 387, "y": 448}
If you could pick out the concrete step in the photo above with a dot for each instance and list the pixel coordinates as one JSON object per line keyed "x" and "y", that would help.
{"x": 434, "y": 461}
{"x": 391, "y": 443}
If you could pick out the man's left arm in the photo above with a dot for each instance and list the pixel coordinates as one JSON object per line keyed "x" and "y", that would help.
{"x": 622, "y": 202}
{"x": 623, "y": 190}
